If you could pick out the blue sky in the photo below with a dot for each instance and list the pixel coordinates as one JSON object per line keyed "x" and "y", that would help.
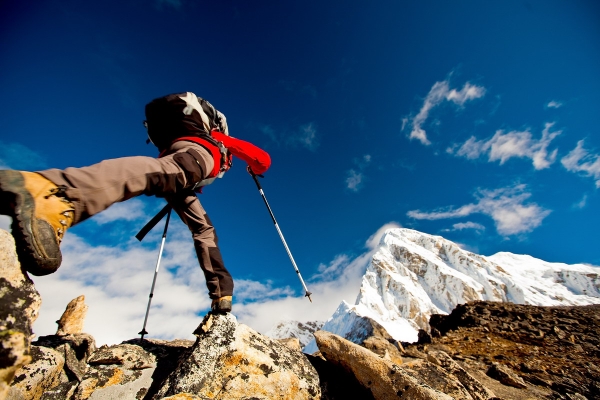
{"x": 472, "y": 120}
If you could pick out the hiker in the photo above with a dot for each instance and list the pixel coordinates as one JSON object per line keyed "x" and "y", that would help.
{"x": 195, "y": 149}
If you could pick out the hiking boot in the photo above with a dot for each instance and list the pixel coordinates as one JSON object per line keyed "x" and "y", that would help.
{"x": 41, "y": 215}
{"x": 222, "y": 305}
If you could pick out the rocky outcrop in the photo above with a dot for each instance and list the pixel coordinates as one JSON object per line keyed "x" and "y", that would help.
{"x": 551, "y": 352}
{"x": 56, "y": 360}
{"x": 71, "y": 322}
{"x": 231, "y": 361}
{"x": 43, "y": 373}
{"x": 475, "y": 388}
{"x": 19, "y": 307}
{"x": 383, "y": 378}
{"x": 74, "y": 348}
{"x": 228, "y": 361}
{"x": 482, "y": 351}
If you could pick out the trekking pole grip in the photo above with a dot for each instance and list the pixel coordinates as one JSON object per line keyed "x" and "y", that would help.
{"x": 253, "y": 175}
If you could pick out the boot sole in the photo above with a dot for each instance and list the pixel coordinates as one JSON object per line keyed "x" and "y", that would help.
{"x": 36, "y": 244}
{"x": 223, "y": 307}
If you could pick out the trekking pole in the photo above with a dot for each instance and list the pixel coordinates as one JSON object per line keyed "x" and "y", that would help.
{"x": 162, "y": 246}
{"x": 262, "y": 193}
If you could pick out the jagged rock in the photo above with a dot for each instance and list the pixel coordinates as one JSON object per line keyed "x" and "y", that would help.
{"x": 14, "y": 353}
{"x": 71, "y": 322}
{"x": 232, "y": 361}
{"x": 168, "y": 355}
{"x": 383, "y": 378}
{"x": 128, "y": 355}
{"x": 76, "y": 349}
{"x": 337, "y": 383}
{"x": 413, "y": 352}
{"x": 383, "y": 348}
{"x": 423, "y": 337}
{"x": 63, "y": 391}
{"x": 19, "y": 307}
{"x": 43, "y": 373}
{"x": 475, "y": 388}
{"x": 114, "y": 382}
{"x": 505, "y": 376}
{"x": 183, "y": 396}
{"x": 292, "y": 343}
{"x": 123, "y": 371}
{"x": 355, "y": 327}
{"x": 439, "y": 379}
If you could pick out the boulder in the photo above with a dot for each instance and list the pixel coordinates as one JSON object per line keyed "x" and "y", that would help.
{"x": 123, "y": 371}
{"x": 438, "y": 378}
{"x": 75, "y": 349}
{"x": 506, "y": 376}
{"x": 383, "y": 378}
{"x": 292, "y": 343}
{"x": 475, "y": 388}
{"x": 130, "y": 356}
{"x": 43, "y": 373}
{"x": 383, "y": 348}
{"x": 19, "y": 307}
{"x": 71, "y": 322}
{"x": 232, "y": 361}
{"x": 106, "y": 382}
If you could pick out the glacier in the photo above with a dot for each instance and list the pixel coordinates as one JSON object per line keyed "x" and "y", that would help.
{"x": 413, "y": 275}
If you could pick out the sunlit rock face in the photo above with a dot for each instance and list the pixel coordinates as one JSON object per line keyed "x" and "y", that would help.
{"x": 414, "y": 275}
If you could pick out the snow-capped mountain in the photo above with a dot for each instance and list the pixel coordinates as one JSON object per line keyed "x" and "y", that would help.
{"x": 414, "y": 275}
{"x": 294, "y": 329}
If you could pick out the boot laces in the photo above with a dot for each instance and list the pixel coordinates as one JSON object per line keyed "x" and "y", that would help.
{"x": 58, "y": 191}
{"x": 69, "y": 213}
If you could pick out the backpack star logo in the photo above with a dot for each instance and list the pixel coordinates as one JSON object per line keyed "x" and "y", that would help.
{"x": 192, "y": 104}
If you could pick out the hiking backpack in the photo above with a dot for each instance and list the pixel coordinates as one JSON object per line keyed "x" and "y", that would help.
{"x": 178, "y": 115}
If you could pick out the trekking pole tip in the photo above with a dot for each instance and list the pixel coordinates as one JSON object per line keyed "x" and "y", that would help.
{"x": 307, "y": 294}
{"x": 142, "y": 333}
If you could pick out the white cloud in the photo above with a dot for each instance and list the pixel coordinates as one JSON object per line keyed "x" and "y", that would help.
{"x": 554, "y": 104}
{"x": 270, "y": 132}
{"x": 130, "y": 210}
{"x": 5, "y": 222}
{"x": 506, "y": 206}
{"x": 355, "y": 178}
{"x": 465, "y": 225}
{"x": 581, "y": 203}
{"x": 116, "y": 283}
{"x": 17, "y": 156}
{"x": 308, "y": 136}
{"x": 326, "y": 296}
{"x": 580, "y": 160}
{"x": 468, "y": 92}
{"x": 249, "y": 290}
{"x": 439, "y": 93}
{"x": 304, "y": 136}
{"x": 333, "y": 269}
{"x": 504, "y": 146}
{"x": 374, "y": 240}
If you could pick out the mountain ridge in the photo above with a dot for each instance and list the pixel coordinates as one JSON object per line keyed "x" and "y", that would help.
{"x": 414, "y": 275}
